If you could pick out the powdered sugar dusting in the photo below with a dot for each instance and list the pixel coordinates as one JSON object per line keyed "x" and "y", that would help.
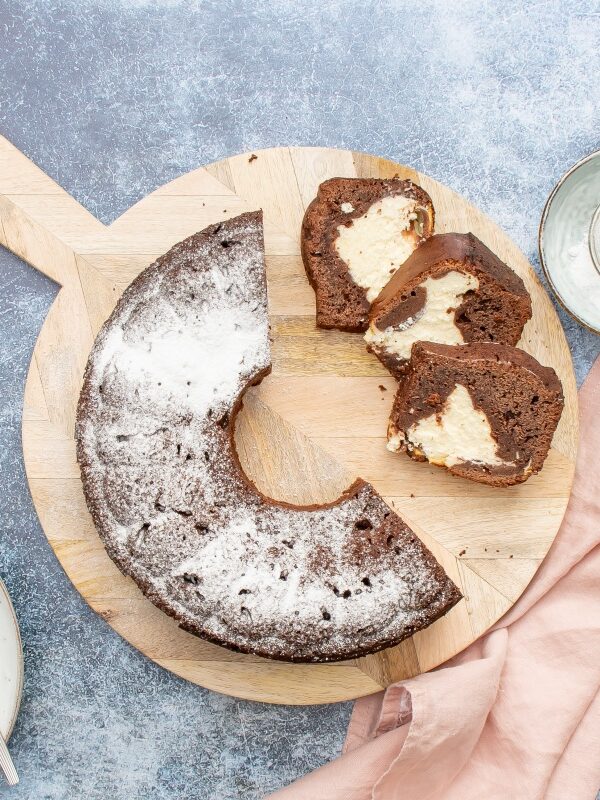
{"x": 199, "y": 363}
{"x": 168, "y": 496}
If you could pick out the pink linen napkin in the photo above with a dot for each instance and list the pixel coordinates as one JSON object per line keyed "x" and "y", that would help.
{"x": 516, "y": 716}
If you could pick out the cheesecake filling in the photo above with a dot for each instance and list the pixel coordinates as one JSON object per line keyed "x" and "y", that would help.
{"x": 376, "y": 244}
{"x": 459, "y": 433}
{"x": 434, "y": 323}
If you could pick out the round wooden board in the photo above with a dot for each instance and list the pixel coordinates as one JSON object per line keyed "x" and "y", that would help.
{"x": 312, "y": 426}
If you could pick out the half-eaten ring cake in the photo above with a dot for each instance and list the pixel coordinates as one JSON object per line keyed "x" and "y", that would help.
{"x": 174, "y": 509}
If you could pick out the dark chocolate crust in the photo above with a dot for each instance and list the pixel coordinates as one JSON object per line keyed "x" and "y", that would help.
{"x": 521, "y": 399}
{"x": 340, "y": 302}
{"x": 496, "y": 312}
{"x": 174, "y": 509}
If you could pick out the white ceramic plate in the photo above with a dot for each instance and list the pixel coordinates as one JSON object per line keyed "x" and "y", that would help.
{"x": 566, "y": 242}
{"x": 11, "y": 664}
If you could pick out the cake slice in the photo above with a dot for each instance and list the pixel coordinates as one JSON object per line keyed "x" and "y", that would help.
{"x": 452, "y": 290}
{"x": 355, "y": 234}
{"x": 486, "y": 412}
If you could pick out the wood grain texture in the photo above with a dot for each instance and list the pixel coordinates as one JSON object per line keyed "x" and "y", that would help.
{"x": 295, "y": 447}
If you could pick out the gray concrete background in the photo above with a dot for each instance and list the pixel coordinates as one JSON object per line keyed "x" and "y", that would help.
{"x": 114, "y": 98}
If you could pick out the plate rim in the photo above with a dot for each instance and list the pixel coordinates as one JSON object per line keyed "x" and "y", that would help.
{"x": 19, "y": 693}
{"x": 546, "y": 210}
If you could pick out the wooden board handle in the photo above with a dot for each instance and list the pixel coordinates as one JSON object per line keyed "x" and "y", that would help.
{"x": 39, "y": 221}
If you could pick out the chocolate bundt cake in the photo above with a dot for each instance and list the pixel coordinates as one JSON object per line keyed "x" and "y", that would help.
{"x": 175, "y": 511}
{"x": 356, "y": 233}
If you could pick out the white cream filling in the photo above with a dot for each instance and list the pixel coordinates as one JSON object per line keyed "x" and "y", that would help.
{"x": 460, "y": 433}
{"x": 435, "y": 323}
{"x": 379, "y": 242}
{"x": 394, "y": 442}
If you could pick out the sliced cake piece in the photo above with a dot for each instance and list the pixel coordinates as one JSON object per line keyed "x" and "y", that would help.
{"x": 453, "y": 290}
{"x": 484, "y": 411}
{"x": 355, "y": 234}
